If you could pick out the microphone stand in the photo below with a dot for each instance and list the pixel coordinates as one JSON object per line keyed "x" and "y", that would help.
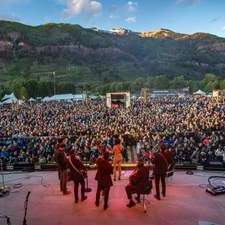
{"x": 25, "y": 207}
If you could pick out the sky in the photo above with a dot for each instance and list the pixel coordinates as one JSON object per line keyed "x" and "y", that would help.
{"x": 184, "y": 16}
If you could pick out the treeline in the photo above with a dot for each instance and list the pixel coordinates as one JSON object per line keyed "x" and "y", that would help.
{"x": 26, "y": 88}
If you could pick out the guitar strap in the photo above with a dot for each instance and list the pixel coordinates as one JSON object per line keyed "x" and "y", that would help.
{"x": 74, "y": 167}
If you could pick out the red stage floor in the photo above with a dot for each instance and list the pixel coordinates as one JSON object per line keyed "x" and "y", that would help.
{"x": 186, "y": 203}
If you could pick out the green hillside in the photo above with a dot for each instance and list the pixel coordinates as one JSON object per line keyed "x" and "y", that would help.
{"x": 97, "y": 60}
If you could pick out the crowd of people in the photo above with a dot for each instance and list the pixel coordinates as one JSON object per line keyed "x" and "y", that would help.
{"x": 192, "y": 128}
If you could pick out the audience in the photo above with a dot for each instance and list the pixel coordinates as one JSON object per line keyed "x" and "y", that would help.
{"x": 193, "y": 128}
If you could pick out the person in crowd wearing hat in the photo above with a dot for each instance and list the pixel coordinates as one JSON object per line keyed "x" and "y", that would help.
{"x": 62, "y": 161}
{"x": 117, "y": 158}
{"x": 104, "y": 179}
{"x": 138, "y": 180}
{"x": 78, "y": 172}
{"x": 159, "y": 170}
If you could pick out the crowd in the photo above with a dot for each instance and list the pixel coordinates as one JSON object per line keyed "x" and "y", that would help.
{"x": 193, "y": 128}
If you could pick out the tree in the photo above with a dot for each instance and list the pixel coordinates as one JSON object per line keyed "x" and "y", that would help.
{"x": 31, "y": 87}
{"x": 140, "y": 83}
{"x": 23, "y": 94}
{"x": 210, "y": 82}
{"x": 178, "y": 82}
{"x": 161, "y": 82}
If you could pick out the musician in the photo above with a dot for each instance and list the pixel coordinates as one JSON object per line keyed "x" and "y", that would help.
{"x": 159, "y": 170}
{"x": 138, "y": 181}
{"x": 117, "y": 158}
{"x": 169, "y": 155}
{"x": 104, "y": 179}
{"x": 61, "y": 160}
{"x": 78, "y": 173}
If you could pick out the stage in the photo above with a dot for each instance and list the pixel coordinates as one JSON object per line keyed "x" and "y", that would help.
{"x": 186, "y": 203}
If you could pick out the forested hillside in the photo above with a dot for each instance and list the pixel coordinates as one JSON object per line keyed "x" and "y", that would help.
{"x": 77, "y": 58}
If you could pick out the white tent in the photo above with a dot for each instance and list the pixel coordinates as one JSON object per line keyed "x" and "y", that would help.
{"x": 46, "y": 99}
{"x": 64, "y": 97}
{"x": 133, "y": 97}
{"x": 32, "y": 100}
{"x": 9, "y": 99}
{"x": 79, "y": 97}
{"x": 199, "y": 92}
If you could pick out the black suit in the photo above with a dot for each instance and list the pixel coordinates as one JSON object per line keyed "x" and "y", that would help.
{"x": 159, "y": 170}
{"x": 138, "y": 181}
{"x": 61, "y": 160}
{"x": 77, "y": 177}
{"x": 103, "y": 177}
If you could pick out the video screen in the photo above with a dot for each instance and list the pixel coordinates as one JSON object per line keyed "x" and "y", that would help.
{"x": 118, "y": 97}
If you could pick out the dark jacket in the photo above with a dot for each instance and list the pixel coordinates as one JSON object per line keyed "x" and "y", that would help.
{"x": 168, "y": 155}
{"x": 160, "y": 164}
{"x": 104, "y": 171}
{"x": 60, "y": 158}
{"x": 140, "y": 178}
{"x": 74, "y": 174}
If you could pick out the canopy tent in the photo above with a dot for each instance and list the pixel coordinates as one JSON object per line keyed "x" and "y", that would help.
{"x": 9, "y": 99}
{"x": 94, "y": 97}
{"x": 79, "y": 97}
{"x": 32, "y": 100}
{"x": 133, "y": 97}
{"x": 199, "y": 92}
{"x": 64, "y": 97}
{"x": 46, "y": 99}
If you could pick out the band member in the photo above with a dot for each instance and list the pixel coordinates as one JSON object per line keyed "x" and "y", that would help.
{"x": 117, "y": 158}
{"x": 130, "y": 143}
{"x": 159, "y": 170}
{"x": 104, "y": 179}
{"x": 78, "y": 172}
{"x": 61, "y": 160}
{"x": 138, "y": 181}
{"x": 169, "y": 155}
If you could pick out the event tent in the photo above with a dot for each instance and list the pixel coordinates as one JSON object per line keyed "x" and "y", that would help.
{"x": 64, "y": 97}
{"x": 32, "y": 100}
{"x": 199, "y": 92}
{"x": 9, "y": 99}
{"x": 79, "y": 97}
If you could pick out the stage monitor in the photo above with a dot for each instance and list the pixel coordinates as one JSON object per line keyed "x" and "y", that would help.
{"x": 118, "y": 99}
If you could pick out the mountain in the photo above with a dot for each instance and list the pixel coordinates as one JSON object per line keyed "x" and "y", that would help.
{"x": 162, "y": 34}
{"x": 78, "y": 54}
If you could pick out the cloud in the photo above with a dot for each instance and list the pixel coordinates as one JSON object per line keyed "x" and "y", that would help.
{"x": 132, "y": 6}
{"x": 131, "y": 9}
{"x": 131, "y": 19}
{"x": 223, "y": 28}
{"x": 125, "y": 11}
{"x": 76, "y": 7}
